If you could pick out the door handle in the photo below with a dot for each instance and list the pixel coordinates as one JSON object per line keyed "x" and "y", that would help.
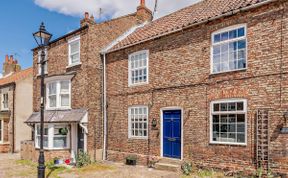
{"x": 172, "y": 139}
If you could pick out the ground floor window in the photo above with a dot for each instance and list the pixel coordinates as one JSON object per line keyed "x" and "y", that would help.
{"x": 138, "y": 122}
{"x": 228, "y": 123}
{"x": 55, "y": 136}
{"x": 1, "y": 130}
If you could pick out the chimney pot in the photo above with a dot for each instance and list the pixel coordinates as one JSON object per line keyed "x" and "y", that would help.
{"x": 6, "y": 58}
{"x": 11, "y": 59}
{"x": 86, "y": 15}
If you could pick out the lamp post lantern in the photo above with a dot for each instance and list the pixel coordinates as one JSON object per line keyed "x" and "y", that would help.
{"x": 42, "y": 38}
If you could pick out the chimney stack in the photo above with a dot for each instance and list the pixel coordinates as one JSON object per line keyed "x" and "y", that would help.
{"x": 143, "y": 13}
{"x": 87, "y": 20}
{"x": 10, "y": 65}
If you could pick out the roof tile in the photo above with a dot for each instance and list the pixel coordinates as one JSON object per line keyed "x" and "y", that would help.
{"x": 195, "y": 13}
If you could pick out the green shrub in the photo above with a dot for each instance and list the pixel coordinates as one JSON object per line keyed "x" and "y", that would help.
{"x": 186, "y": 168}
{"x": 82, "y": 159}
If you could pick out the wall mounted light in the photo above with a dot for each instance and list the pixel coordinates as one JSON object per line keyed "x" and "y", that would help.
{"x": 154, "y": 123}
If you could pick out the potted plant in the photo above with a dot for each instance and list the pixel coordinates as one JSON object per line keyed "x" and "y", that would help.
{"x": 131, "y": 160}
{"x": 152, "y": 161}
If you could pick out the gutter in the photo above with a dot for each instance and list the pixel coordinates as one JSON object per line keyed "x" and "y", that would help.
{"x": 198, "y": 23}
{"x": 13, "y": 119}
{"x": 64, "y": 36}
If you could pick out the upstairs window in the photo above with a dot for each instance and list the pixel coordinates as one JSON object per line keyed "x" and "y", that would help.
{"x": 39, "y": 62}
{"x": 138, "y": 68}
{"x": 228, "y": 122}
{"x": 58, "y": 94}
{"x": 5, "y": 103}
{"x": 229, "y": 51}
{"x": 74, "y": 51}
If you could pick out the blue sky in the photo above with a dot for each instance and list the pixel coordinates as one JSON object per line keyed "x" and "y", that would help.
{"x": 20, "y": 18}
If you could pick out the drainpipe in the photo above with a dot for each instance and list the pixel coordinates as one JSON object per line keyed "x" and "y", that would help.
{"x": 13, "y": 120}
{"x": 105, "y": 108}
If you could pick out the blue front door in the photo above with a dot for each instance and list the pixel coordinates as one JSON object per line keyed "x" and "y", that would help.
{"x": 172, "y": 134}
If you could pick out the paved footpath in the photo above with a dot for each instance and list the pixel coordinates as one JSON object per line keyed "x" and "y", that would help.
{"x": 10, "y": 169}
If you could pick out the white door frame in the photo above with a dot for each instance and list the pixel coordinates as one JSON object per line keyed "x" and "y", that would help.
{"x": 161, "y": 128}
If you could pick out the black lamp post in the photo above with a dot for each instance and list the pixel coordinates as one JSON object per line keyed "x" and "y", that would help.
{"x": 42, "y": 37}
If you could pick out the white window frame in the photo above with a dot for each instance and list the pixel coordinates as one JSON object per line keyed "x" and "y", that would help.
{"x": 130, "y": 84}
{"x": 130, "y": 136}
{"x": 228, "y": 112}
{"x": 2, "y": 101}
{"x": 2, "y": 131}
{"x": 73, "y": 40}
{"x": 51, "y": 136}
{"x": 227, "y": 29}
{"x": 39, "y": 62}
{"x": 58, "y": 97}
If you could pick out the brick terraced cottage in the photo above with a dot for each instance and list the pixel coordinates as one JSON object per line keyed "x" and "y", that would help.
{"x": 73, "y": 113}
{"x": 16, "y": 105}
{"x": 207, "y": 84}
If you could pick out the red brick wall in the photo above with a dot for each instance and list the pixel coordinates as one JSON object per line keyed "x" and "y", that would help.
{"x": 86, "y": 85}
{"x": 179, "y": 75}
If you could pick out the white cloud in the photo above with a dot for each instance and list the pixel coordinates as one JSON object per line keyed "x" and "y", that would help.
{"x": 111, "y": 8}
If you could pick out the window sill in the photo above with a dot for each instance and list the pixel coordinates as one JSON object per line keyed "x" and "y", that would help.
{"x": 228, "y": 144}
{"x": 58, "y": 109}
{"x": 73, "y": 65}
{"x": 228, "y": 72}
{"x": 4, "y": 143}
{"x": 46, "y": 73}
{"x": 4, "y": 110}
{"x": 138, "y": 138}
{"x": 138, "y": 84}
{"x": 53, "y": 149}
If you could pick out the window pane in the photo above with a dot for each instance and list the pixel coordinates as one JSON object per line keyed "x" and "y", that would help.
{"x": 241, "y": 32}
{"x": 224, "y": 36}
{"x": 74, "y": 47}
{"x": 45, "y": 141}
{"x": 215, "y": 119}
{"x": 231, "y": 106}
{"x": 240, "y": 138}
{"x": 217, "y": 38}
{"x": 52, "y": 88}
{"x": 232, "y": 34}
{"x": 240, "y": 106}
{"x": 52, "y": 101}
{"x": 60, "y": 142}
{"x": 64, "y": 86}
{"x": 216, "y": 107}
{"x": 75, "y": 58}
{"x": 224, "y": 106}
{"x": 65, "y": 100}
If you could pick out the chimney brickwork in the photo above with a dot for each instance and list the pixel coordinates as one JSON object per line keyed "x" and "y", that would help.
{"x": 143, "y": 13}
{"x": 10, "y": 65}
{"x": 87, "y": 20}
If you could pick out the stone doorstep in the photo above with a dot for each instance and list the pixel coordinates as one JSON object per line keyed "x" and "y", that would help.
{"x": 168, "y": 164}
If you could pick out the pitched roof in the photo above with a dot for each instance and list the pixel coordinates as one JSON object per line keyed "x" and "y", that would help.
{"x": 194, "y": 14}
{"x": 16, "y": 76}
